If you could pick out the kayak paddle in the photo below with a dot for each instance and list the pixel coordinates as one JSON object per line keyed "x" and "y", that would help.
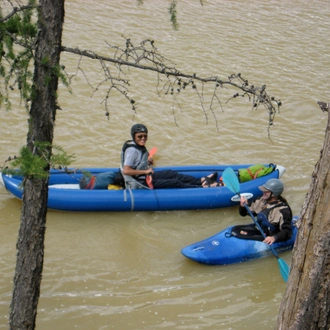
{"x": 152, "y": 152}
{"x": 231, "y": 181}
{"x": 148, "y": 177}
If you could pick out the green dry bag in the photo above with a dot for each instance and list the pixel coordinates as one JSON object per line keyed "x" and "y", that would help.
{"x": 255, "y": 171}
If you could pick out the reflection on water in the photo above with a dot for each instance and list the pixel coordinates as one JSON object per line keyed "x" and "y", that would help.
{"x": 125, "y": 271}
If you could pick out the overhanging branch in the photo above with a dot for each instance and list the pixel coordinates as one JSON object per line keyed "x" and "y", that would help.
{"x": 146, "y": 57}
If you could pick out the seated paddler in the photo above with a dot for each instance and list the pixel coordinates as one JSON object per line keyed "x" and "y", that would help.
{"x": 272, "y": 211}
{"x": 136, "y": 167}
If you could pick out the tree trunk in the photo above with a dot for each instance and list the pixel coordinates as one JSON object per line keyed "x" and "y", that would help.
{"x": 306, "y": 302}
{"x": 30, "y": 244}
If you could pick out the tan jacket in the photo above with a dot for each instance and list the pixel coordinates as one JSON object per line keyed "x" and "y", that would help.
{"x": 275, "y": 217}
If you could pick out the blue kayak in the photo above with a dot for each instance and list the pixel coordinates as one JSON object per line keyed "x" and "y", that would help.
{"x": 64, "y": 193}
{"x": 224, "y": 248}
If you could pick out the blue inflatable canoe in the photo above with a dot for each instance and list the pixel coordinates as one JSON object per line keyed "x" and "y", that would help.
{"x": 64, "y": 193}
{"x": 224, "y": 248}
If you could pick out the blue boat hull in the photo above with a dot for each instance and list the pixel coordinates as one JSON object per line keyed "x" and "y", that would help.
{"x": 62, "y": 197}
{"x": 224, "y": 249}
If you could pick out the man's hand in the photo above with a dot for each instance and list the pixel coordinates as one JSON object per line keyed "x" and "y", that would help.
{"x": 243, "y": 201}
{"x": 269, "y": 240}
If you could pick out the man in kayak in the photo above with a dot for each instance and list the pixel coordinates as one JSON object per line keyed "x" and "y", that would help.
{"x": 273, "y": 213}
{"x": 138, "y": 172}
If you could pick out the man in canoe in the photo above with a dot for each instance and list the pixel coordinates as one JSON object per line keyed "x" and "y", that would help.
{"x": 136, "y": 167}
{"x": 273, "y": 214}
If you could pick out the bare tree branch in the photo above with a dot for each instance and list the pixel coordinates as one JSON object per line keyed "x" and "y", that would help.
{"x": 146, "y": 57}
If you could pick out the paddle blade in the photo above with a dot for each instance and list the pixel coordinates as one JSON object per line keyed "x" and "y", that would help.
{"x": 284, "y": 269}
{"x": 230, "y": 179}
{"x": 149, "y": 181}
{"x": 152, "y": 152}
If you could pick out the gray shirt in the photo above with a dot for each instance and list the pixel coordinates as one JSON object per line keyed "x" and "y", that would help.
{"x": 132, "y": 157}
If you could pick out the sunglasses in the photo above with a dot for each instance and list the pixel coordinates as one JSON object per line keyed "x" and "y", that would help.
{"x": 141, "y": 136}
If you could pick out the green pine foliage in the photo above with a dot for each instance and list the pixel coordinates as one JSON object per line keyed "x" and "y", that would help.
{"x": 173, "y": 14}
{"x": 18, "y": 42}
{"x": 18, "y": 39}
{"x": 35, "y": 165}
{"x": 18, "y": 31}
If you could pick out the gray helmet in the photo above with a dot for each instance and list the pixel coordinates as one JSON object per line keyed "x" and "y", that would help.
{"x": 274, "y": 185}
{"x": 137, "y": 128}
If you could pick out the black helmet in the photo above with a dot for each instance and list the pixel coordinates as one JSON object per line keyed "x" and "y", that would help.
{"x": 274, "y": 185}
{"x": 137, "y": 128}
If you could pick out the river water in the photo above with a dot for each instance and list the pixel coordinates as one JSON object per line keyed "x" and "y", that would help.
{"x": 124, "y": 270}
